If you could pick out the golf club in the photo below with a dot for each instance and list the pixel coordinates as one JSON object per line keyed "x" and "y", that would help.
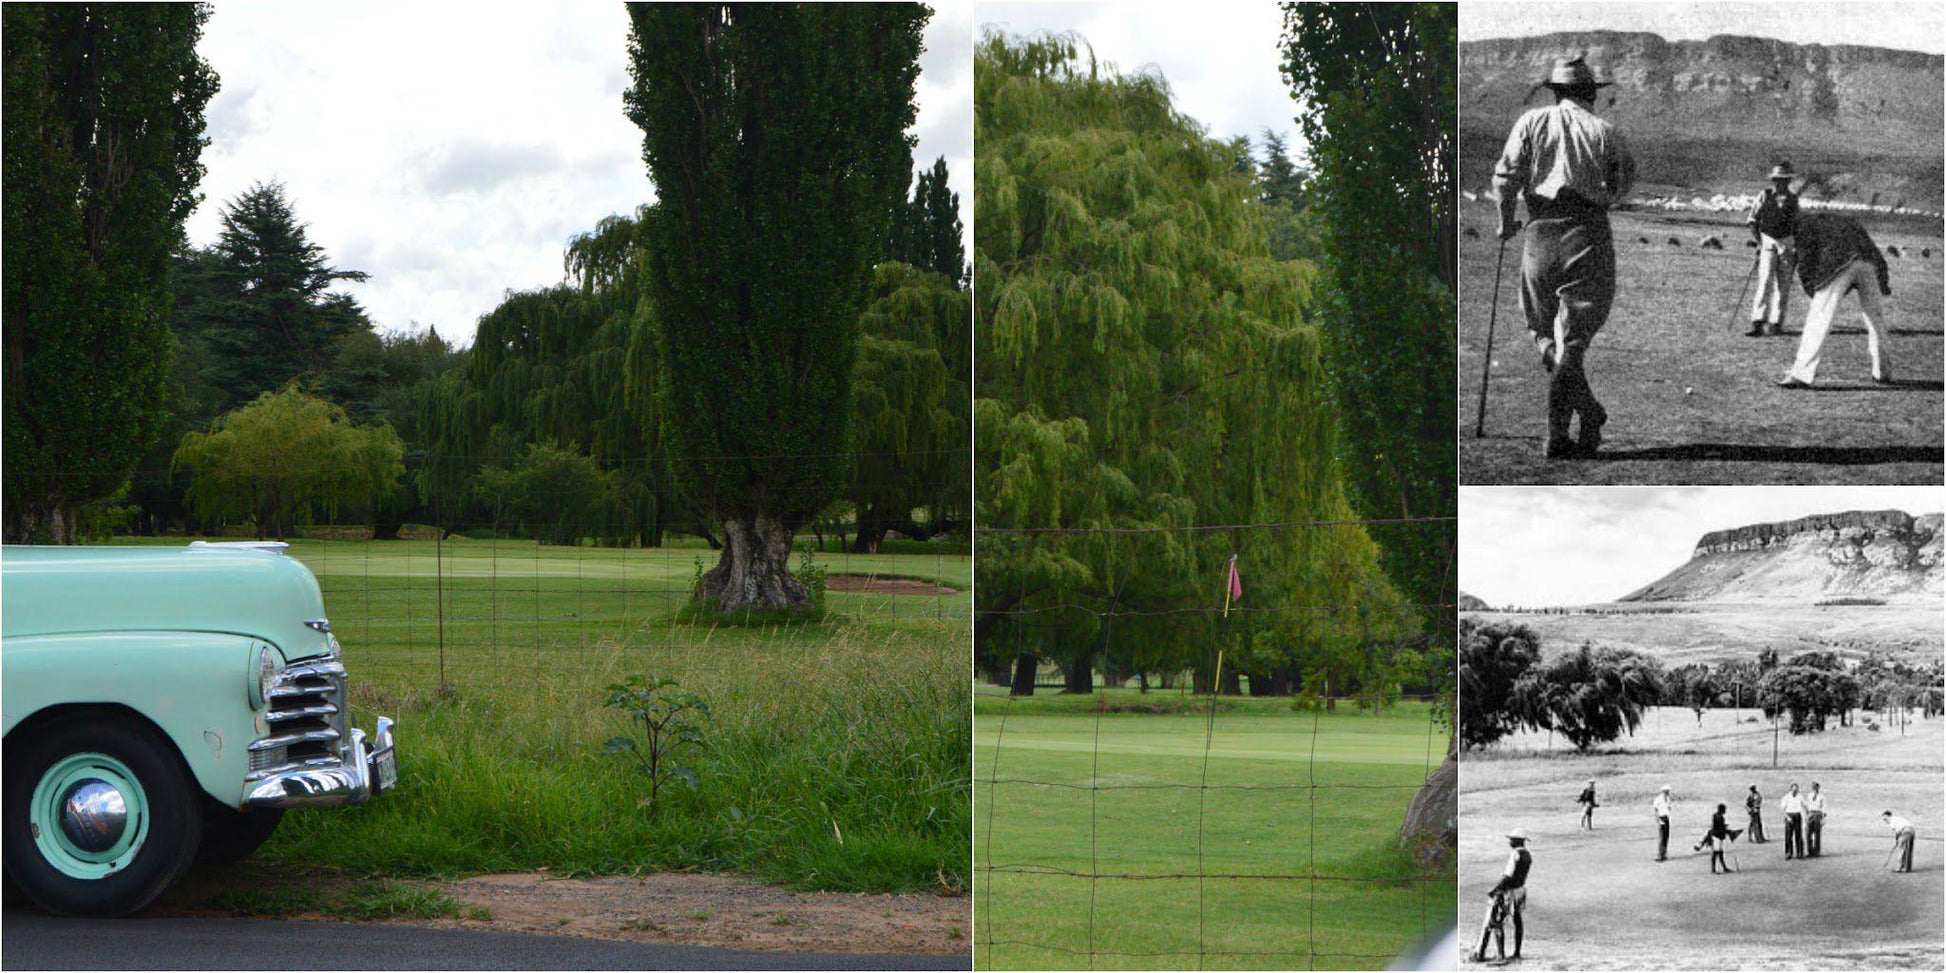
{"x": 1486, "y": 363}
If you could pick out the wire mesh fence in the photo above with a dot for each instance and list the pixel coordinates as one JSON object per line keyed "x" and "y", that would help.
{"x": 1219, "y": 804}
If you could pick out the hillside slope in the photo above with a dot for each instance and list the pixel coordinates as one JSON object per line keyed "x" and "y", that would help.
{"x": 1710, "y": 115}
{"x": 1884, "y": 555}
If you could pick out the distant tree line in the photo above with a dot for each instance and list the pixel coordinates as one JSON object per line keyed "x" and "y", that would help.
{"x": 1593, "y": 695}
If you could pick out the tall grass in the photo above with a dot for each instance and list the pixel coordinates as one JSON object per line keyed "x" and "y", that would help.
{"x": 836, "y": 758}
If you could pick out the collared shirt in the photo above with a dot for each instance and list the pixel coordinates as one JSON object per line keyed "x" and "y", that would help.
{"x": 1662, "y": 805}
{"x": 1814, "y": 801}
{"x": 1755, "y": 802}
{"x": 1793, "y": 804}
{"x": 1898, "y": 824}
{"x": 1565, "y": 147}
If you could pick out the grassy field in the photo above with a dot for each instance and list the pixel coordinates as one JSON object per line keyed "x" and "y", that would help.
{"x": 836, "y": 755}
{"x": 1599, "y": 900}
{"x": 1714, "y": 632}
{"x": 1690, "y": 399}
{"x": 1065, "y": 791}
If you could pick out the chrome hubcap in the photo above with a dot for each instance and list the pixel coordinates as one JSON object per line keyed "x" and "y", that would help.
{"x": 94, "y": 815}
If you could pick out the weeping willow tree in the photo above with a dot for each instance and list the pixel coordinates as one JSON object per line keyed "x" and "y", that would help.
{"x": 911, "y": 427}
{"x": 1144, "y": 365}
{"x": 570, "y": 366}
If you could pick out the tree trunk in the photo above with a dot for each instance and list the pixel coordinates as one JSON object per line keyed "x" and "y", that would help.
{"x": 871, "y": 532}
{"x": 1026, "y": 666}
{"x": 1232, "y": 684}
{"x": 754, "y": 573}
{"x": 1078, "y": 676}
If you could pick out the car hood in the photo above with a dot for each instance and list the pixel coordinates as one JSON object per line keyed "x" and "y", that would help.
{"x": 240, "y": 591}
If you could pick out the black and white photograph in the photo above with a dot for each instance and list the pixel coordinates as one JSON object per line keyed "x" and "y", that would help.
{"x": 1700, "y": 727}
{"x": 1700, "y": 243}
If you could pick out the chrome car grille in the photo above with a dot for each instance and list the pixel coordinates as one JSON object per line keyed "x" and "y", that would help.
{"x": 307, "y": 719}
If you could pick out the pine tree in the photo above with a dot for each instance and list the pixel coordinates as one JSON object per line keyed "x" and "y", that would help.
{"x": 776, "y": 135}
{"x": 104, "y": 131}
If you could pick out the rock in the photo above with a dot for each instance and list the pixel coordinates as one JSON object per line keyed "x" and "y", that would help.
{"x": 1879, "y": 554}
{"x": 1431, "y": 829}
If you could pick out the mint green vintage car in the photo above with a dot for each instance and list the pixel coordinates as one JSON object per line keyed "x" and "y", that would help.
{"x": 164, "y": 704}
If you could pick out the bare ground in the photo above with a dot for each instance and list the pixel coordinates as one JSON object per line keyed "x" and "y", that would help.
{"x": 874, "y": 584}
{"x": 670, "y": 909}
{"x": 1690, "y": 399}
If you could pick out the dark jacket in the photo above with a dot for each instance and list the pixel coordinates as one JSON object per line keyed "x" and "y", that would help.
{"x": 1587, "y": 796}
{"x": 1518, "y": 879}
{"x": 1719, "y": 828}
{"x": 1775, "y": 214}
{"x": 1826, "y": 245}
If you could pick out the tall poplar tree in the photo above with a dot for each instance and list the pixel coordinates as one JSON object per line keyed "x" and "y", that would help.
{"x": 103, "y": 125}
{"x": 1377, "y": 83}
{"x": 776, "y": 136}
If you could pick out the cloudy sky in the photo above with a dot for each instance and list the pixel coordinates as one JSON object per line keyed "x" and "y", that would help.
{"x": 1221, "y": 62}
{"x": 452, "y": 153}
{"x": 1902, "y": 26}
{"x": 1574, "y": 545}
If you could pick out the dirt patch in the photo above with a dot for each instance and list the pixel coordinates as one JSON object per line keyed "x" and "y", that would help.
{"x": 678, "y": 909}
{"x": 874, "y": 584}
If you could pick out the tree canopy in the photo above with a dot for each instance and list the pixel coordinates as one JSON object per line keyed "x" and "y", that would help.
{"x": 1144, "y": 365}
{"x": 1376, "y": 82}
{"x": 288, "y": 453}
{"x": 104, "y": 133}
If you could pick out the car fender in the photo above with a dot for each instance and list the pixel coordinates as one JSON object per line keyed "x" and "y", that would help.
{"x": 194, "y": 686}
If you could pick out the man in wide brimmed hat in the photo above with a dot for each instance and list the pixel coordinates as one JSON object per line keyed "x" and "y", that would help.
{"x": 1773, "y": 221}
{"x": 1509, "y": 897}
{"x": 1570, "y": 166}
{"x": 1835, "y": 257}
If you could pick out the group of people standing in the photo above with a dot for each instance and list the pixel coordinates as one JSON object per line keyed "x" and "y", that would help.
{"x": 1570, "y": 167}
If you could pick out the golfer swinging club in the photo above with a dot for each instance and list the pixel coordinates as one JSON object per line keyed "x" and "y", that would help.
{"x": 1901, "y": 847}
{"x": 1509, "y": 897}
{"x": 1570, "y": 166}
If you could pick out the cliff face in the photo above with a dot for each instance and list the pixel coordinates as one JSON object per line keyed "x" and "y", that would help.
{"x": 1885, "y": 555}
{"x": 1710, "y": 114}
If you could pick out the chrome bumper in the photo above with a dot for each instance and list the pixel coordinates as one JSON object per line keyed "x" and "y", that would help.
{"x": 351, "y": 778}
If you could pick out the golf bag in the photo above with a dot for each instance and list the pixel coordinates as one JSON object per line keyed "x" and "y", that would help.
{"x": 1493, "y": 926}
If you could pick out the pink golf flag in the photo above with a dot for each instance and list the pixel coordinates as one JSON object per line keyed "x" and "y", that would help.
{"x": 1235, "y": 590}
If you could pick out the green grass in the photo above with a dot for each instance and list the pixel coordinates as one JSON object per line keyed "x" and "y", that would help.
{"x": 1075, "y": 792}
{"x": 836, "y": 757}
{"x": 364, "y": 901}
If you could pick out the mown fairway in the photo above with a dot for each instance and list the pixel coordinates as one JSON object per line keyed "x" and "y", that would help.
{"x": 1063, "y": 791}
{"x": 837, "y": 754}
{"x": 1599, "y": 900}
{"x": 1690, "y": 399}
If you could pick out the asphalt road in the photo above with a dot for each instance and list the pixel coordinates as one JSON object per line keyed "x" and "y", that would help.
{"x": 33, "y": 941}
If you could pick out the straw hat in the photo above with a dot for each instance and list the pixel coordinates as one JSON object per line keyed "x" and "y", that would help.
{"x": 1783, "y": 170}
{"x": 1520, "y": 834}
{"x": 1574, "y": 72}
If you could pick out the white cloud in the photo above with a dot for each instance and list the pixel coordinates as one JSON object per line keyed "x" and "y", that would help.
{"x": 1221, "y": 63}
{"x": 1576, "y": 545}
{"x": 452, "y": 151}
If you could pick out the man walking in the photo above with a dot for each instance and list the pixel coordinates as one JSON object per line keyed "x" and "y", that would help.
{"x": 1570, "y": 166}
{"x": 1588, "y": 805}
{"x": 1509, "y": 897}
{"x": 1773, "y": 223}
{"x": 1793, "y": 804}
{"x": 1755, "y": 805}
{"x": 1662, "y": 824}
{"x": 1814, "y": 822}
{"x": 1835, "y": 256}
{"x": 1901, "y": 843}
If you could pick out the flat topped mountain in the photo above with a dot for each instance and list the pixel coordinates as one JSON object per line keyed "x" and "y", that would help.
{"x": 1867, "y": 555}
{"x": 1711, "y": 114}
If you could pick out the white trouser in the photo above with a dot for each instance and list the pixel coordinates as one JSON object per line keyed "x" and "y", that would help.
{"x": 1858, "y": 275}
{"x": 1774, "y": 259}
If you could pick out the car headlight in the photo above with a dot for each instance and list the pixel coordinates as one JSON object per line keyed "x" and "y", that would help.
{"x": 266, "y": 678}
